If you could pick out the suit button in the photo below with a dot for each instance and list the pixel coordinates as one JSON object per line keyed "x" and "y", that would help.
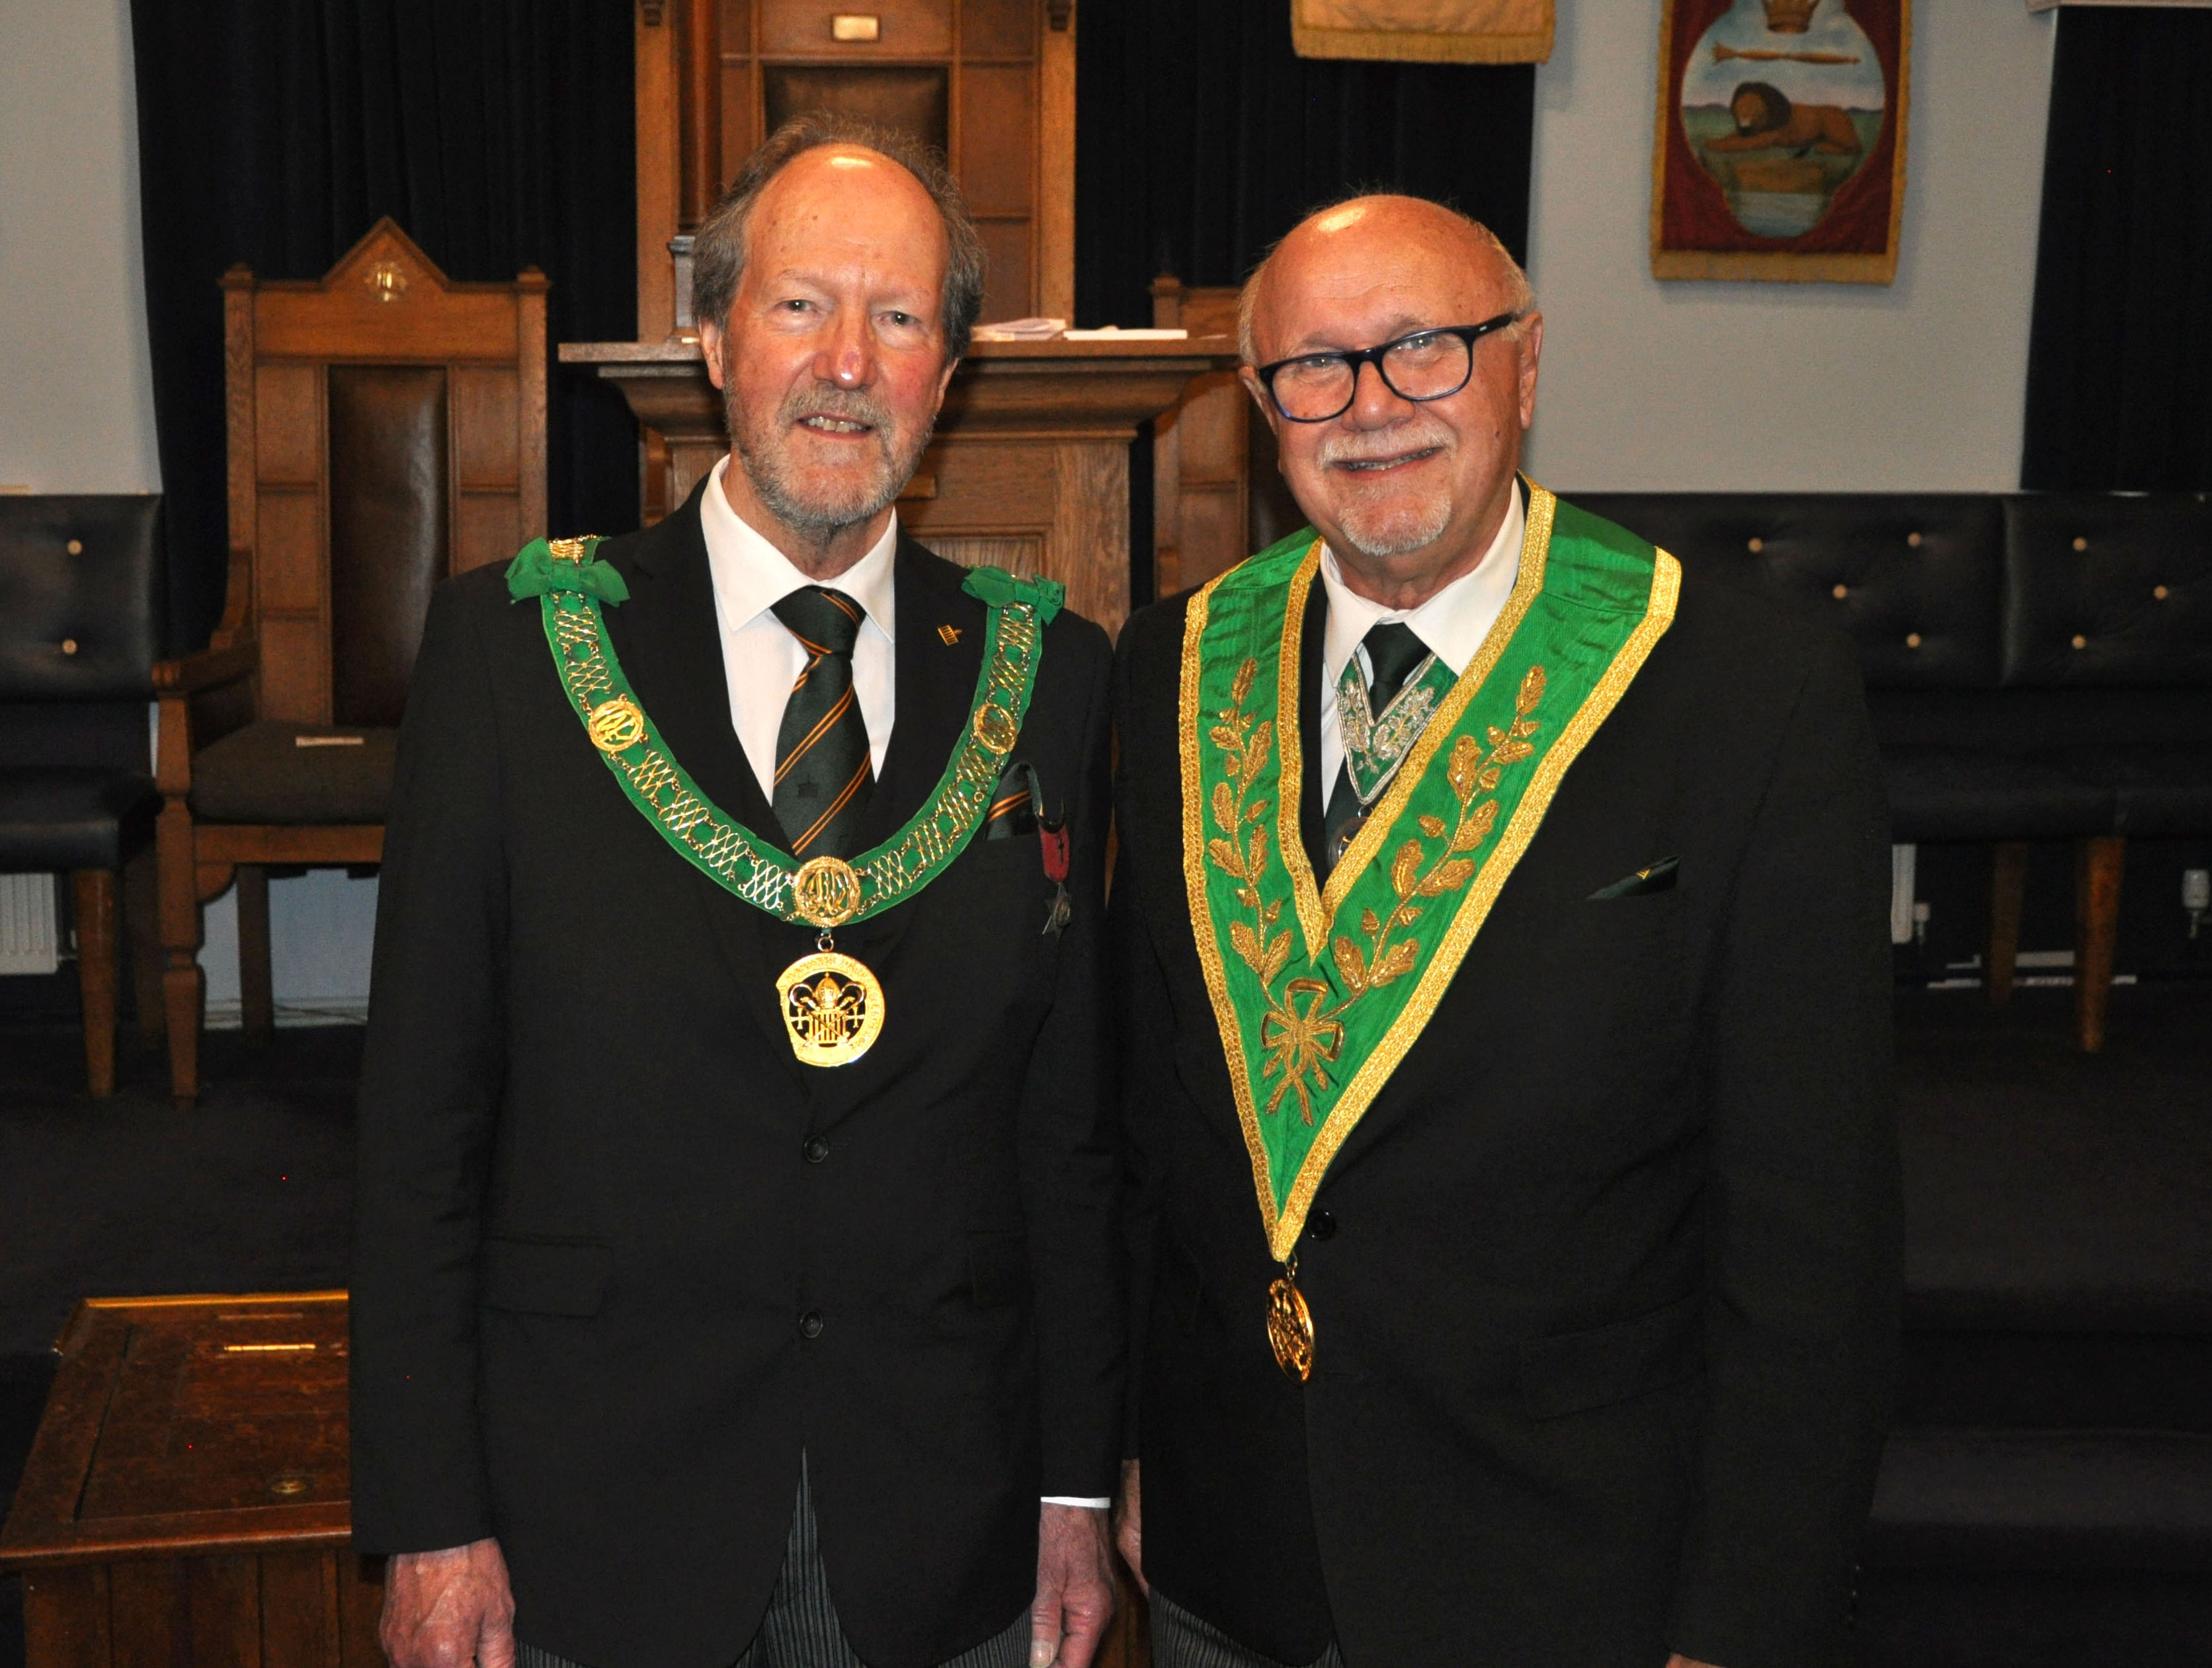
{"x": 1321, "y": 1226}
{"x": 810, "y": 1324}
{"x": 816, "y": 1150}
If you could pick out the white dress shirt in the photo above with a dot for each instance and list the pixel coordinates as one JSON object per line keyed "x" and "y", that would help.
{"x": 762, "y": 659}
{"x": 1453, "y": 623}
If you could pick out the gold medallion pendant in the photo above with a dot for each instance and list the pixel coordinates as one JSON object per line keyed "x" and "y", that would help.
{"x": 832, "y": 1006}
{"x": 1290, "y": 1324}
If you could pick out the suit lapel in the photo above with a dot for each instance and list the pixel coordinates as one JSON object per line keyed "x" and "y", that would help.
{"x": 935, "y": 681}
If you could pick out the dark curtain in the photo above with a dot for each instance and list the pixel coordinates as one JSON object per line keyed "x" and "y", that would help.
{"x": 1201, "y": 138}
{"x": 2119, "y": 369}
{"x": 498, "y": 133}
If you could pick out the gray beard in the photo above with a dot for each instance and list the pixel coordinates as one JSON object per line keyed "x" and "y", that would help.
{"x": 1377, "y": 545}
{"x": 759, "y": 451}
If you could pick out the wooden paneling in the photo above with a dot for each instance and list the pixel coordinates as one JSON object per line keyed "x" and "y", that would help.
{"x": 997, "y": 161}
{"x": 295, "y": 670}
{"x": 149, "y": 1617}
{"x": 226, "y": 1612}
{"x": 1000, "y": 97}
{"x": 1201, "y": 452}
{"x": 288, "y": 541}
{"x": 1017, "y": 553}
{"x": 998, "y": 28}
{"x": 296, "y": 325}
{"x": 299, "y": 1609}
{"x": 487, "y": 528}
{"x": 287, "y": 423}
{"x": 486, "y": 427}
{"x": 65, "y": 1618}
{"x": 741, "y": 129}
{"x": 1007, "y": 242}
{"x": 906, "y": 28}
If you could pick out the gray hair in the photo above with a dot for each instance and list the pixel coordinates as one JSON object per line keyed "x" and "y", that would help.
{"x": 718, "y": 253}
{"x": 1520, "y": 294}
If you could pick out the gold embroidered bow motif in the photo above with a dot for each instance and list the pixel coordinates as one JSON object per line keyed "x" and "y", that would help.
{"x": 1301, "y": 1043}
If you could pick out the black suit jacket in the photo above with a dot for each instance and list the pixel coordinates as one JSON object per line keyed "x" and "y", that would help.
{"x": 598, "y": 1194}
{"x": 1604, "y": 1282}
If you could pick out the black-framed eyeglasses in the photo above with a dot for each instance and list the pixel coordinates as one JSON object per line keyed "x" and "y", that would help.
{"x": 1432, "y": 364}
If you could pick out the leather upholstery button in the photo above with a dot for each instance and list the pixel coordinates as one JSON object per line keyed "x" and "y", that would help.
{"x": 2080, "y": 544}
{"x": 1322, "y": 1225}
{"x": 816, "y": 1150}
{"x": 1841, "y": 591}
{"x": 1757, "y": 545}
{"x": 1913, "y": 539}
{"x": 1911, "y": 639}
{"x": 2160, "y": 592}
{"x": 810, "y": 1324}
{"x": 75, "y": 547}
{"x": 69, "y": 646}
{"x": 2080, "y": 641}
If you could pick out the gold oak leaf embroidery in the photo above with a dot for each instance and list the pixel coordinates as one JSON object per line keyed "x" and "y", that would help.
{"x": 1302, "y": 1043}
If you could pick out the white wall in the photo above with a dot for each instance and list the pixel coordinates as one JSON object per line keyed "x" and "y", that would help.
{"x": 77, "y": 400}
{"x": 1688, "y": 386}
{"x": 76, "y": 403}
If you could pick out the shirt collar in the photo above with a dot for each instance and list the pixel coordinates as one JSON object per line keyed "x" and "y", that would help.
{"x": 751, "y": 576}
{"x": 1453, "y": 622}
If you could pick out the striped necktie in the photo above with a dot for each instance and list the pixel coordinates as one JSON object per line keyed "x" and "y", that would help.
{"x": 823, "y": 776}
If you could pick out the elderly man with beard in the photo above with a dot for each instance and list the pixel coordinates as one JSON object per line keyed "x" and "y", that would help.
{"x": 734, "y": 1270}
{"x": 1502, "y": 909}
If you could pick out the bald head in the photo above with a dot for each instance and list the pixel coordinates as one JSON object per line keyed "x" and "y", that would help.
{"x": 1346, "y": 242}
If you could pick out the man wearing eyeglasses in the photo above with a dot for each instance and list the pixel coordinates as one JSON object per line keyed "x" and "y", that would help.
{"x": 1500, "y": 917}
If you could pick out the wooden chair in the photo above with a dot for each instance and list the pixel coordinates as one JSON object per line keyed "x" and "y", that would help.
{"x": 386, "y": 429}
{"x": 1217, "y": 495}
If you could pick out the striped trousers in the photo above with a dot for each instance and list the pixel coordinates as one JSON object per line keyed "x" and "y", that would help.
{"x": 800, "y": 1629}
{"x": 1181, "y": 1639}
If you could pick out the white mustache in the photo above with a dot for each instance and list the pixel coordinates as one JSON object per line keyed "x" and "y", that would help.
{"x": 1348, "y": 449}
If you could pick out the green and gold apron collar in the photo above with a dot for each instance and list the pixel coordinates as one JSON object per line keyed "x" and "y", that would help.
{"x": 827, "y": 1026}
{"x": 1319, "y": 990}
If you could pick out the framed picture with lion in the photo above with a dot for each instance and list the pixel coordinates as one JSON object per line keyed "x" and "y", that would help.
{"x": 1780, "y": 151}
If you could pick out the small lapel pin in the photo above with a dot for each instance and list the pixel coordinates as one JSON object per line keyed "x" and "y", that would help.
{"x": 950, "y": 634}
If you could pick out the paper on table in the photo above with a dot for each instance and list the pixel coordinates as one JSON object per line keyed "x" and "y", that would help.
{"x": 1021, "y": 330}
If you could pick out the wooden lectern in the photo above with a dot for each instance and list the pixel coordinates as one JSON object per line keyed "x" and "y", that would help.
{"x": 186, "y": 1500}
{"x": 1029, "y": 470}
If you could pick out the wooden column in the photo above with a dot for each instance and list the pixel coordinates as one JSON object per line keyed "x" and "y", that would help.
{"x": 2096, "y": 919}
{"x": 93, "y": 894}
{"x": 1028, "y": 470}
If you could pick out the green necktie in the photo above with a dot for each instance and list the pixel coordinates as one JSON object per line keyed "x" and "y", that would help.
{"x": 1396, "y": 654}
{"x": 823, "y": 777}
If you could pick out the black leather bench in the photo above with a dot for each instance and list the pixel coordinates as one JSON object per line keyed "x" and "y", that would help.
{"x": 2039, "y": 666}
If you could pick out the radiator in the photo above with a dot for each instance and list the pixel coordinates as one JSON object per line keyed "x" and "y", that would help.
{"x": 28, "y": 941}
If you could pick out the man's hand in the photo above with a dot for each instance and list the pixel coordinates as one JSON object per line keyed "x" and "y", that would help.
{"x": 1075, "y": 1589}
{"x": 445, "y": 1610}
{"x": 1129, "y": 1526}
{"x": 1677, "y": 1660}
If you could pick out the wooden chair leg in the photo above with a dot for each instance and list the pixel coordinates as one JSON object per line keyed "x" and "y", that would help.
{"x": 256, "y": 992}
{"x": 94, "y": 893}
{"x": 2007, "y": 900}
{"x": 183, "y": 986}
{"x": 142, "y": 929}
{"x": 2103, "y": 860}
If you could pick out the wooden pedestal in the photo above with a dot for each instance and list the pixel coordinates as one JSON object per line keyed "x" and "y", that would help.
{"x": 1030, "y": 469}
{"x": 185, "y": 1505}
